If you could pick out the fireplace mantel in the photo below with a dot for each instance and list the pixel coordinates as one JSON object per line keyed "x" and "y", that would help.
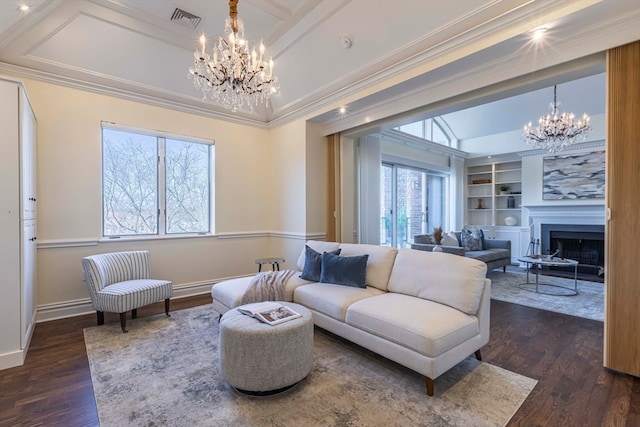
{"x": 563, "y": 214}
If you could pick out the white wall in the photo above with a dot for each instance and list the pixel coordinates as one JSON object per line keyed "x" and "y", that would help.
{"x": 69, "y": 194}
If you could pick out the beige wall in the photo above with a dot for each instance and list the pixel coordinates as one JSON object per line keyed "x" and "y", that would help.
{"x": 316, "y": 182}
{"x": 260, "y": 185}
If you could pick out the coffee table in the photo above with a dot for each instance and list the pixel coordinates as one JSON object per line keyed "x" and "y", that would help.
{"x": 547, "y": 288}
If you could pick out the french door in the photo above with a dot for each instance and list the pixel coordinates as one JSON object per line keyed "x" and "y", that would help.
{"x": 413, "y": 201}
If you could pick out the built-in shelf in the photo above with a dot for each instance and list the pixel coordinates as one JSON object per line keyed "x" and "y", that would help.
{"x": 496, "y": 202}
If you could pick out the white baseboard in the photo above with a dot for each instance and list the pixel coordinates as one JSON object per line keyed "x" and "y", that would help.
{"x": 61, "y": 310}
{"x": 10, "y": 360}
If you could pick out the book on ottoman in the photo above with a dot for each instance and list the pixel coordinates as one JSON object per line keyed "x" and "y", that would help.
{"x": 269, "y": 312}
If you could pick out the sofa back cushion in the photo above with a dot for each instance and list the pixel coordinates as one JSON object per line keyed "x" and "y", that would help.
{"x": 318, "y": 246}
{"x": 448, "y": 279}
{"x": 379, "y": 263}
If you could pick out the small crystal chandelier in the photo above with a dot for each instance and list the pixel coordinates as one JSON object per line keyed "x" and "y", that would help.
{"x": 236, "y": 75}
{"x": 556, "y": 131}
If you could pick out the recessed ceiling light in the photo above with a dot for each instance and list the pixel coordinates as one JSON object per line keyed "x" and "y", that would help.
{"x": 539, "y": 33}
{"x": 342, "y": 111}
{"x": 24, "y": 7}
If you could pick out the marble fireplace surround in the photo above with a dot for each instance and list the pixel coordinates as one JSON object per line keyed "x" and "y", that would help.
{"x": 582, "y": 214}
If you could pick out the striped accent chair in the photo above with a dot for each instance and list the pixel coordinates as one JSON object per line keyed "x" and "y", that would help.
{"x": 121, "y": 281}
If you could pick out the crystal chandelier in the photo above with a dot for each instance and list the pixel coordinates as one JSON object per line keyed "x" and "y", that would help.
{"x": 556, "y": 131}
{"x": 236, "y": 74}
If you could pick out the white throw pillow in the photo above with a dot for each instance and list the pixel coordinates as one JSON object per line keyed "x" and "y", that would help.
{"x": 450, "y": 239}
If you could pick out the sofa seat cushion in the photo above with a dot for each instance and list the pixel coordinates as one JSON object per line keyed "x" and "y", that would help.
{"x": 489, "y": 255}
{"x": 230, "y": 292}
{"x": 421, "y": 325}
{"x": 448, "y": 279}
{"x": 330, "y": 299}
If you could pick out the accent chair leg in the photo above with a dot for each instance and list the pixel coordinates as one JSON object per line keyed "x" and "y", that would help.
{"x": 429, "y": 382}
{"x": 167, "y": 304}
{"x": 123, "y": 321}
{"x": 478, "y": 354}
{"x": 134, "y": 313}
{"x": 100, "y": 315}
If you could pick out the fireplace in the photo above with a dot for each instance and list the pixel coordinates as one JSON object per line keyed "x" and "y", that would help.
{"x": 583, "y": 243}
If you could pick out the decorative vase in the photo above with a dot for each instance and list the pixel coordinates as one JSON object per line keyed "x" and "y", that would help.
{"x": 509, "y": 220}
{"x": 437, "y": 248}
{"x": 511, "y": 202}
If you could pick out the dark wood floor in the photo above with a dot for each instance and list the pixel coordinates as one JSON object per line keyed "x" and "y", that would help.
{"x": 563, "y": 353}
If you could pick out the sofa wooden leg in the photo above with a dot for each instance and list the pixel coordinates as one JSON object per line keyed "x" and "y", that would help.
{"x": 123, "y": 321}
{"x": 429, "y": 382}
{"x": 134, "y": 313}
{"x": 478, "y": 354}
{"x": 100, "y": 315}
{"x": 167, "y": 303}
{"x": 504, "y": 268}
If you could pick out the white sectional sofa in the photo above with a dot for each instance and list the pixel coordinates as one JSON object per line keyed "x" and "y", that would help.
{"x": 426, "y": 311}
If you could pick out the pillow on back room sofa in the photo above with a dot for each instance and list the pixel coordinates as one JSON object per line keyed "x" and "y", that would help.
{"x": 313, "y": 264}
{"x": 450, "y": 239}
{"x": 344, "y": 270}
{"x": 471, "y": 240}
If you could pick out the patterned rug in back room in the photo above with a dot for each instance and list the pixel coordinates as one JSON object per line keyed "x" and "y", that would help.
{"x": 589, "y": 303}
{"x": 164, "y": 372}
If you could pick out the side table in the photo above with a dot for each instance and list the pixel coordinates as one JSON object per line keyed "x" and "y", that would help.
{"x": 275, "y": 263}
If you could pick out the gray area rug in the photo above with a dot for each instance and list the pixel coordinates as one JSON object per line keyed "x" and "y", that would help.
{"x": 164, "y": 372}
{"x": 589, "y": 303}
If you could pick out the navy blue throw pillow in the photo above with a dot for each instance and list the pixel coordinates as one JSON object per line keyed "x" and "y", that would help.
{"x": 344, "y": 270}
{"x": 313, "y": 264}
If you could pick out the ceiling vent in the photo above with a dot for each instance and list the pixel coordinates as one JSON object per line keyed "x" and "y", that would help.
{"x": 185, "y": 18}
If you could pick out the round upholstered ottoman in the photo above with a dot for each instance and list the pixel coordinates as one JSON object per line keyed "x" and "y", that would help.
{"x": 259, "y": 358}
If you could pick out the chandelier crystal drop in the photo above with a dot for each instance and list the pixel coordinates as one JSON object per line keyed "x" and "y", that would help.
{"x": 556, "y": 131}
{"x": 233, "y": 74}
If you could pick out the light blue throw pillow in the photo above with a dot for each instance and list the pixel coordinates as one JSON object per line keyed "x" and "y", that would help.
{"x": 313, "y": 264}
{"x": 341, "y": 270}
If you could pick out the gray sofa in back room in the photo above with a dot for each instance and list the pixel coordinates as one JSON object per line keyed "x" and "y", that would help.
{"x": 495, "y": 253}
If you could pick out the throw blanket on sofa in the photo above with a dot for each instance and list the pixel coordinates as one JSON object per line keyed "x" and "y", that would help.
{"x": 267, "y": 286}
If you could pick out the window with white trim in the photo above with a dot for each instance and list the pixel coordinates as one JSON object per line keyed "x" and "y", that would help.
{"x": 155, "y": 184}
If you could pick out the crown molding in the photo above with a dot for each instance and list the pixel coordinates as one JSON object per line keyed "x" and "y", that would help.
{"x": 101, "y": 89}
{"x": 575, "y": 147}
{"x": 436, "y": 92}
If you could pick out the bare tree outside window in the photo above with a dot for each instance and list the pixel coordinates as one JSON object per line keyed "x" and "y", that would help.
{"x": 154, "y": 185}
{"x": 130, "y": 183}
{"x": 187, "y": 187}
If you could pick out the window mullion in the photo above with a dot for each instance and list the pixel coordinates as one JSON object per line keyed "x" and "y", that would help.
{"x": 162, "y": 188}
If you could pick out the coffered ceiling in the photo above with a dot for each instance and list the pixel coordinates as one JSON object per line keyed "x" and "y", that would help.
{"x": 132, "y": 48}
